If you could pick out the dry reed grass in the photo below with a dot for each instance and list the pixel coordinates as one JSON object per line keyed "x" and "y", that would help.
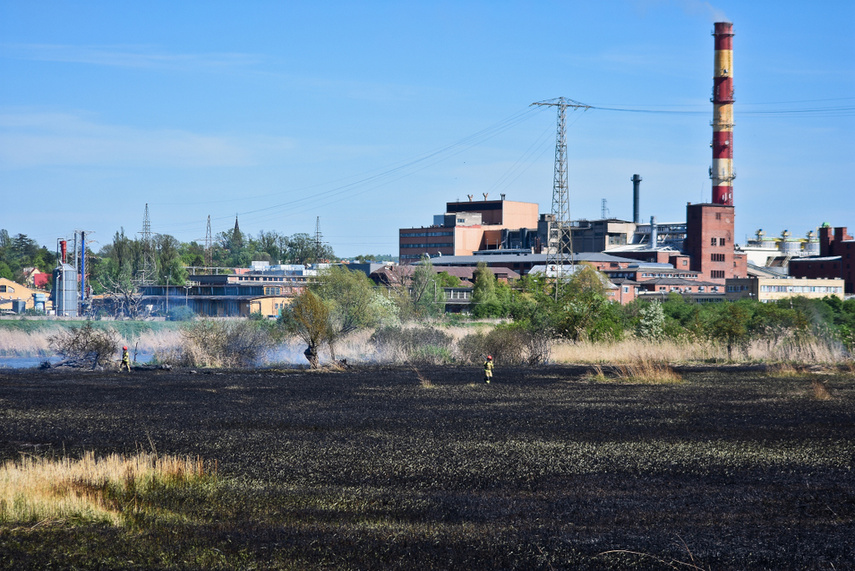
{"x": 787, "y": 349}
{"x": 157, "y": 342}
{"x": 39, "y": 490}
{"x": 643, "y": 372}
{"x": 820, "y": 390}
{"x": 634, "y": 350}
{"x": 13, "y": 342}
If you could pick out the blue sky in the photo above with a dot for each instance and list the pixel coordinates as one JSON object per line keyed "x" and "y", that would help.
{"x": 371, "y": 115}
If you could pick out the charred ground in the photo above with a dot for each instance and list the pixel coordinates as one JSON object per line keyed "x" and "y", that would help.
{"x": 394, "y": 468}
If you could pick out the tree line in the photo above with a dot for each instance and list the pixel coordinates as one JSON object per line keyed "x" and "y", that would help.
{"x": 535, "y": 315}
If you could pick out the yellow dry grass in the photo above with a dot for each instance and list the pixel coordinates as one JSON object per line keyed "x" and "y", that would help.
{"x": 820, "y": 390}
{"x": 14, "y": 342}
{"x": 42, "y": 490}
{"x": 643, "y": 372}
{"x": 633, "y": 350}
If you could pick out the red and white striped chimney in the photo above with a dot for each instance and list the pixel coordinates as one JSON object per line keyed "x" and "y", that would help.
{"x": 721, "y": 171}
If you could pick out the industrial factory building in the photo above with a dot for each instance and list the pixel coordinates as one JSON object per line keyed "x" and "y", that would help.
{"x": 704, "y": 244}
{"x": 836, "y": 258}
{"x": 467, "y": 227}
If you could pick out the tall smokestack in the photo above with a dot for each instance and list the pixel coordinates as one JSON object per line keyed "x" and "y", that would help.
{"x": 636, "y": 190}
{"x": 721, "y": 171}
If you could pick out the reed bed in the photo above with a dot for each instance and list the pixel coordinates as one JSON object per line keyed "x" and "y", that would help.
{"x": 24, "y": 343}
{"x": 644, "y": 372}
{"x": 634, "y": 350}
{"x": 790, "y": 350}
{"x": 37, "y": 490}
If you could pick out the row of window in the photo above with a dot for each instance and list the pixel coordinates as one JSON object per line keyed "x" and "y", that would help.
{"x": 425, "y": 234}
{"x": 688, "y": 289}
{"x": 801, "y": 289}
{"x": 717, "y": 257}
{"x": 429, "y": 246}
{"x": 717, "y": 274}
{"x": 717, "y": 241}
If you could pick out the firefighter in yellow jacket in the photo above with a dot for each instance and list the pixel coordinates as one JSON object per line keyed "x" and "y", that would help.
{"x": 126, "y": 360}
{"x": 488, "y": 369}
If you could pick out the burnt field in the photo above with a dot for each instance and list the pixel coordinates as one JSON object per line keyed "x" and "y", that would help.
{"x": 392, "y": 468}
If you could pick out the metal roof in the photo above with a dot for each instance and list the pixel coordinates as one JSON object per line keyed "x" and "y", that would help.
{"x": 525, "y": 258}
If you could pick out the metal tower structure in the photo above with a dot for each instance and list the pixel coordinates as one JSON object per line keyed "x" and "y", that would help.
{"x": 560, "y": 246}
{"x": 149, "y": 265}
{"x": 319, "y": 245}
{"x": 209, "y": 254}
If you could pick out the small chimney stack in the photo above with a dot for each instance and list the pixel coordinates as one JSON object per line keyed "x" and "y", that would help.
{"x": 636, "y": 190}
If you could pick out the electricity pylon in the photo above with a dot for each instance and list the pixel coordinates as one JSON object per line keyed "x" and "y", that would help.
{"x": 559, "y": 252}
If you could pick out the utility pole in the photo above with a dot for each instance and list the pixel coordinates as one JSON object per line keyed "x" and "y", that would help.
{"x": 149, "y": 265}
{"x": 209, "y": 254}
{"x": 560, "y": 239}
{"x": 318, "y": 240}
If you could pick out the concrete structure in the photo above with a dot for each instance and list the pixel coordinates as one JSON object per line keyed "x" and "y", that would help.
{"x": 771, "y": 289}
{"x": 836, "y": 258}
{"x": 721, "y": 172}
{"x": 470, "y": 226}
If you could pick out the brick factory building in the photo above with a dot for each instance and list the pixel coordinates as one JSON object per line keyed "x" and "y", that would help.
{"x": 836, "y": 258}
{"x": 467, "y": 227}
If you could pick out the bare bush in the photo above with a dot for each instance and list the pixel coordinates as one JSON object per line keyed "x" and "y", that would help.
{"x": 85, "y": 346}
{"x": 210, "y": 343}
{"x": 509, "y": 345}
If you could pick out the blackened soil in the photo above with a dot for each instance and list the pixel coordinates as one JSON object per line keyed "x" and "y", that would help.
{"x": 395, "y": 468}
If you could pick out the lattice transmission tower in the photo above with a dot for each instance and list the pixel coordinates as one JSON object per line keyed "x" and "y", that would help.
{"x": 559, "y": 252}
{"x": 149, "y": 265}
{"x": 209, "y": 252}
{"x": 319, "y": 243}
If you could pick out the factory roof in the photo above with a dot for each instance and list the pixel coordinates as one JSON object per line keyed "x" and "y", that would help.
{"x": 523, "y": 256}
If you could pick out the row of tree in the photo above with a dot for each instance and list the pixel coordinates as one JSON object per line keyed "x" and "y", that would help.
{"x": 19, "y": 252}
{"x": 342, "y": 301}
{"x": 127, "y": 262}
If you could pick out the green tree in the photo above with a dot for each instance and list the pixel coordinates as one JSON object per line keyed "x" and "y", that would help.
{"x": 308, "y": 317}
{"x": 426, "y": 292}
{"x": 352, "y": 303}
{"x": 585, "y": 311}
{"x": 728, "y": 323}
{"x": 485, "y": 302}
{"x": 651, "y": 322}
{"x": 170, "y": 270}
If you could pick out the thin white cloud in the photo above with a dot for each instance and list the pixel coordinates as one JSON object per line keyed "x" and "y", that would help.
{"x": 33, "y": 139}
{"x": 128, "y": 56}
{"x": 146, "y": 57}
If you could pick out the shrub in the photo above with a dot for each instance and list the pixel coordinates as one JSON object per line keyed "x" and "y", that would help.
{"x": 85, "y": 346}
{"x": 181, "y": 313}
{"x": 420, "y": 345}
{"x": 510, "y": 344}
{"x": 211, "y": 343}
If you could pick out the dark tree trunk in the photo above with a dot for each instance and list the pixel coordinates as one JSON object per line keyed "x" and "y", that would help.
{"x": 311, "y": 354}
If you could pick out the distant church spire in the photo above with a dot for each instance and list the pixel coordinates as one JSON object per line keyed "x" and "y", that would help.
{"x": 237, "y": 237}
